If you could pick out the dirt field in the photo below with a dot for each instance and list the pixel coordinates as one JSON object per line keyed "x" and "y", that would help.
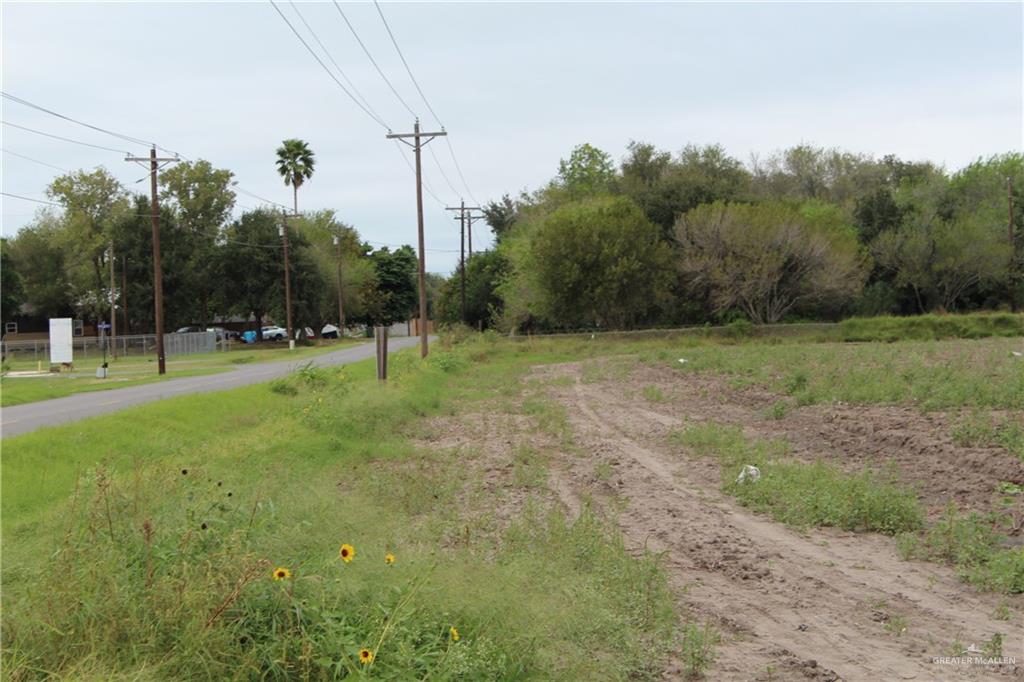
{"x": 822, "y": 604}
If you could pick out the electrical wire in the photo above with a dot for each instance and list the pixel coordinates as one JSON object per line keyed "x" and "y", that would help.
{"x": 127, "y": 138}
{"x": 64, "y": 139}
{"x": 37, "y": 201}
{"x": 372, "y": 60}
{"x": 408, "y": 70}
{"x": 335, "y": 63}
{"x": 443, "y": 174}
{"x": 325, "y": 68}
{"x": 404, "y": 63}
{"x": 29, "y": 158}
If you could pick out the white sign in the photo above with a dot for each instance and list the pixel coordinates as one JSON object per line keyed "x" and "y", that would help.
{"x": 60, "y": 340}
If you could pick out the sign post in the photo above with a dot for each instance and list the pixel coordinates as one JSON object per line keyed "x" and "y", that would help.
{"x": 101, "y": 371}
{"x": 381, "y": 336}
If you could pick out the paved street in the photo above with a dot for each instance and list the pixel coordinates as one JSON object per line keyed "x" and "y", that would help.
{"x": 19, "y": 419}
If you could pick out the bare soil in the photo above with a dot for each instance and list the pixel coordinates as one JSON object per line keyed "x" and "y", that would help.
{"x": 817, "y": 605}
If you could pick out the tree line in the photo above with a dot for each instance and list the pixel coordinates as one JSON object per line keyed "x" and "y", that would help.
{"x": 697, "y": 237}
{"x": 214, "y": 266}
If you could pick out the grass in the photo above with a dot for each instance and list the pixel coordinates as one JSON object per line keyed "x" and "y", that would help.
{"x": 931, "y": 327}
{"x": 932, "y": 375}
{"x": 150, "y": 558}
{"x": 980, "y": 430}
{"x": 136, "y": 370}
{"x": 804, "y": 495}
{"x": 971, "y": 544}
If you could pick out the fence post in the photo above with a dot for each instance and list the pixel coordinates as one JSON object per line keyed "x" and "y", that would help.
{"x": 381, "y": 336}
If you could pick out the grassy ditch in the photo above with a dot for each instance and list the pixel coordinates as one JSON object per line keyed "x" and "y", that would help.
{"x": 214, "y": 547}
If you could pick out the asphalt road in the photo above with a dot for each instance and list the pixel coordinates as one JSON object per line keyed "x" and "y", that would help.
{"x": 19, "y": 419}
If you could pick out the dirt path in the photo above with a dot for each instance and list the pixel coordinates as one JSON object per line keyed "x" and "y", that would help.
{"x": 790, "y": 605}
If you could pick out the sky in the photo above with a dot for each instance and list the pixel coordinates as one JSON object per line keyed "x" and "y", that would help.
{"x": 516, "y": 85}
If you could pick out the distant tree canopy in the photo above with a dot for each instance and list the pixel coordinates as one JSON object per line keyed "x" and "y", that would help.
{"x": 806, "y": 232}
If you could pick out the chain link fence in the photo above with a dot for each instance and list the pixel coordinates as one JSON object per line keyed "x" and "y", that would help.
{"x": 86, "y": 347}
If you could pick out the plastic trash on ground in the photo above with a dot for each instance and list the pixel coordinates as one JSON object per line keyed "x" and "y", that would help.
{"x": 750, "y": 474}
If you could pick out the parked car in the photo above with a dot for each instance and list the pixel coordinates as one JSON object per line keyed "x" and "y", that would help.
{"x": 191, "y": 329}
{"x": 274, "y": 333}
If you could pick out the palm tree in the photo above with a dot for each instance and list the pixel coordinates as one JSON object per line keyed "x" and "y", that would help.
{"x": 295, "y": 164}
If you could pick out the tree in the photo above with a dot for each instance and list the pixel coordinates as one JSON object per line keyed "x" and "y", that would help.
{"x": 202, "y": 200}
{"x": 665, "y": 187}
{"x": 769, "y": 259}
{"x": 42, "y": 266}
{"x": 501, "y": 216}
{"x": 11, "y": 291}
{"x": 597, "y": 262}
{"x": 588, "y": 171}
{"x": 250, "y": 265}
{"x": 295, "y": 164}
{"x": 92, "y": 202}
{"x": 390, "y": 295}
{"x": 320, "y": 229}
{"x": 484, "y": 272}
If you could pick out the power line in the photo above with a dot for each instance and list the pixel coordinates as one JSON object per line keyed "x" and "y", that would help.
{"x": 408, "y": 70}
{"x": 451, "y": 150}
{"x": 127, "y": 138}
{"x": 325, "y": 68}
{"x": 29, "y": 158}
{"x": 443, "y": 174}
{"x": 335, "y": 63}
{"x": 64, "y": 139}
{"x": 405, "y": 63}
{"x": 38, "y": 201}
{"x": 372, "y": 60}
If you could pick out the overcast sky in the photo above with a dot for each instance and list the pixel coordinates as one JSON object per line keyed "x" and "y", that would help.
{"x": 517, "y": 85}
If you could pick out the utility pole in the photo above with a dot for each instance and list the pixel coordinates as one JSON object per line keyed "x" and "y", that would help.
{"x": 465, "y": 221}
{"x": 113, "y": 304}
{"x": 341, "y": 303}
{"x": 461, "y": 208}
{"x": 158, "y": 276}
{"x": 124, "y": 292}
{"x": 470, "y": 219}
{"x": 417, "y": 146}
{"x": 283, "y": 231}
{"x": 1014, "y": 304}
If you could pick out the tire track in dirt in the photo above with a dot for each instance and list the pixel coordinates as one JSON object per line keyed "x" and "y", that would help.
{"x": 806, "y": 605}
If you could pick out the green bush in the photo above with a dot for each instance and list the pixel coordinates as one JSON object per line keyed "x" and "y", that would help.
{"x": 932, "y": 327}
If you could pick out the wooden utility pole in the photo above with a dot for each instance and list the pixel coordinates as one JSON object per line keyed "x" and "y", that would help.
{"x": 1014, "y": 303}
{"x": 283, "y": 231}
{"x": 341, "y": 289}
{"x": 470, "y": 219}
{"x": 465, "y": 222}
{"x": 124, "y": 292}
{"x": 417, "y": 146}
{"x": 113, "y": 303}
{"x": 158, "y": 276}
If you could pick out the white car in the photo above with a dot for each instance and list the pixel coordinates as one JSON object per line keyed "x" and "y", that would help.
{"x": 274, "y": 333}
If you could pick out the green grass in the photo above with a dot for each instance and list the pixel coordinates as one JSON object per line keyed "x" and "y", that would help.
{"x": 932, "y": 327}
{"x": 119, "y": 565}
{"x": 980, "y": 430}
{"x": 931, "y": 375}
{"x": 803, "y": 495}
{"x": 135, "y": 370}
{"x": 971, "y": 544}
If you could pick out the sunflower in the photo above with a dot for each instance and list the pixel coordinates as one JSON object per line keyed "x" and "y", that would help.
{"x": 453, "y": 633}
{"x": 389, "y": 558}
{"x": 365, "y": 656}
{"x": 282, "y": 573}
{"x": 346, "y": 553}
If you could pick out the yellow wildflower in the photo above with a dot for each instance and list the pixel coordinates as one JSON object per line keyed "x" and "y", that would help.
{"x": 346, "y": 553}
{"x": 282, "y": 573}
{"x": 389, "y": 558}
{"x": 365, "y": 656}
{"x": 453, "y": 633}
